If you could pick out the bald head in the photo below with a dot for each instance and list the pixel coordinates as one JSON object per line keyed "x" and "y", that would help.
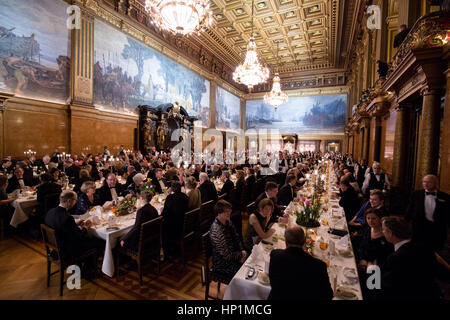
{"x": 295, "y": 237}
{"x": 430, "y": 182}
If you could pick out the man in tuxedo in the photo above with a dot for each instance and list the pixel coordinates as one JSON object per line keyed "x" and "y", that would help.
{"x": 73, "y": 240}
{"x": 47, "y": 187}
{"x": 131, "y": 173}
{"x": 228, "y": 185}
{"x": 286, "y": 193}
{"x": 271, "y": 192}
{"x": 409, "y": 272}
{"x": 159, "y": 183}
{"x": 196, "y": 174}
{"x": 429, "y": 211}
{"x": 349, "y": 199}
{"x": 359, "y": 173}
{"x": 45, "y": 163}
{"x": 296, "y": 275}
{"x": 72, "y": 171}
{"x": 375, "y": 180}
{"x": 16, "y": 181}
{"x": 111, "y": 189}
{"x": 207, "y": 189}
{"x": 172, "y": 172}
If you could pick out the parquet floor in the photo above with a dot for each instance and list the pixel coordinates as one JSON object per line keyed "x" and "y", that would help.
{"x": 23, "y": 276}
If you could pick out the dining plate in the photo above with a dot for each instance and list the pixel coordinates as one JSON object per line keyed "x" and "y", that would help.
{"x": 263, "y": 278}
{"x": 346, "y": 293}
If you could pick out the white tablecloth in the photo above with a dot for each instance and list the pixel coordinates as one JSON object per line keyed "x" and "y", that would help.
{"x": 242, "y": 289}
{"x": 23, "y": 209}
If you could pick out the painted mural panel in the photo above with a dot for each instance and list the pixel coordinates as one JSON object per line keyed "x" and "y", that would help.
{"x": 304, "y": 115}
{"x": 228, "y": 110}
{"x": 34, "y": 49}
{"x": 128, "y": 73}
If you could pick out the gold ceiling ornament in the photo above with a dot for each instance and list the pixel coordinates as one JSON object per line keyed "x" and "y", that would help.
{"x": 251, "y": 73}
{"x": 276, "y": 97}
{"x": 180, "y": 16}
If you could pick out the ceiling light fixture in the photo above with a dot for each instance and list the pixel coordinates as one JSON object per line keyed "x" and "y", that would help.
{"x": 276, "y": 97}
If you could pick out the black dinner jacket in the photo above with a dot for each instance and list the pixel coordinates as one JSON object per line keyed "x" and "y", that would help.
{"x": 416, "y": 214}
{"x": 69, "y": 234}
{"x": 144, "y": 214}
{"x": 13, "y": 184}
{"x": 350, "y": 202}
{"x": 175, "y": 206}
{"x": 408, "y": 274}
{"x": 46, "y": 189}
{"x": 104, "y": 192}
{"x": 130, "y": 179}
{"x": 157, "y": 186}
{"x": 208, "y": 191}
{"x": 285, "y": 195}
{"x": 227, "y": 187}
{"x": 295, "y": 275}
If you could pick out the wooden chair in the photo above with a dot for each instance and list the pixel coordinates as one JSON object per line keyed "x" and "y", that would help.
{"x": 205, "y": 218}
{"x": 53, "y": 249}
{"x": 222, "y": 197}
{"x": 189, "y": 226}
{"x": 149, "y": 246}
{"x": 251, "y": 207}
{"x": 209, "y": 274}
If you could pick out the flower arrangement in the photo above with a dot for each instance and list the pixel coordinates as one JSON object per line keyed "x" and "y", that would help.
{"x": 147, "y": 185}
{"x": 309, "y": 217}
{"x": 124, "y": 207}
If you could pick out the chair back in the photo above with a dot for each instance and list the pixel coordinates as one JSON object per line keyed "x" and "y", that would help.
{"x": 207, "y": 250}
{"x": 150, "y": 238}
{"x": 222, "y": 197}
{"x": 251, "y": 207}
{"x": 190, "y": 223}
{"x": 234, "y": 199}
{"x": 206, "y": 216}
{"x": 51, "y": 201}
{"x": 50, "y": 240}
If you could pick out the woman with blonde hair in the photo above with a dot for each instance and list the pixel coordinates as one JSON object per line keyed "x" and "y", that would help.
{"x": 195, "y": 198}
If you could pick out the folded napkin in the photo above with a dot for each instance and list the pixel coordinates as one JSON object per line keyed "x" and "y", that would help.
{"x": 343, "y": 242}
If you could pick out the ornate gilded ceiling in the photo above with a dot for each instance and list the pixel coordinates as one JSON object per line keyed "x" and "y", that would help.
{"x": 313, "y": 37}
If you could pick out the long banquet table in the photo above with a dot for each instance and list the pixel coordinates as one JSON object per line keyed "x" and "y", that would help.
{"x": 342, "y": 269}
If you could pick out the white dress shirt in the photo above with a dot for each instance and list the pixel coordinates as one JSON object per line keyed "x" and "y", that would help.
{"x": 430, "y": 206}
{"x": 399, "y": 244}
{"x": 113, "y": 193}
{"x": 21, "y": 183}
{"x": 377, "y": 176}
{"x": 161, "y": 183}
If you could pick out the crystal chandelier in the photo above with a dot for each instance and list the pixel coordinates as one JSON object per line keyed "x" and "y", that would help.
{"x": 251, "y": 72}
{"x": 180, "y": 16}
{"x": 276, "y": 97}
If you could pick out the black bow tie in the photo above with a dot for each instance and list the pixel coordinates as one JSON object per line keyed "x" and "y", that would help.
{"x": 430, "y": 193}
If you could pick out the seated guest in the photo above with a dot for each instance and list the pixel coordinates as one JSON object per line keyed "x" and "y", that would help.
{"x": 159, "y": 183}
{"x": 241, "y": 190}
{"x": 409, "y": 272}
{"x": 258, "y": 224}
{"x": 271, "y": 192}
{"x": 72, "y": 171}
{"x": 171, "y": 173}
{"x": 228, "y": 185}
{"x": 54, "y": 172}
{"x": 16, "y": 181}
{"x": 375, "y": 180}
{"x": 44, "y": 166}
{"x": 429, "y": 213}
{"x": 83, "y": 177}
{"x": 194, "y": 195}
{"x": 111, "y": 189}
{"x": 228, "y": 253}
{"x": 6, "y": 209}
{"x": 131, "y": 171}
{"x": 73, "y": 240}
{"x": 134, "y": 187}
{"x": 217, "y": 172}
{"x": 144, "y": 214}
{"x": 106, "y": 170}
{"x": 376, "y": 201}
{"x": 88, "y": 199}
{"x": 28, "y": 177}
{"x": 7, "y": 167}
{"x": 349, "y": 200}
{"x": 207, "y": 188}
{"x": 296, "y": 275}
{"x": 45, "y": 188}
{"x": 286, "y": 193}
{"x": 175, "y": 207}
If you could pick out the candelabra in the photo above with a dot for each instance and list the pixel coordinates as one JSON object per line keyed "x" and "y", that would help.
{"x": 29, "y": 153}
{"x": 63, "y": 156}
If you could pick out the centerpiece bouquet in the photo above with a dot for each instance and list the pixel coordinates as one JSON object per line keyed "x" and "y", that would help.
{"x": 124, "y": 207}
{"x": 309, "y": 216}
{"x": 147, "y": 185}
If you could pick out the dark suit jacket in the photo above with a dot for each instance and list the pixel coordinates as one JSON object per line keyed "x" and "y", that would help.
{"x": 276, "y": 211}
{"x": 408, "y": 274}
{"x": 227, "y": 187}
{"x": 157, "y": 186}
{"x": 130, "y": 178}
{"x": 104, "y": 193}
{"x": 175, "y": 207}
{"x": 46, "y": 189}
{"x": 208, "y": 191}
{"x": 13, "y": 184}
{"x": 350, "y": 202}
{"x": 432, "y": 234}
{"x": 73, "y": 172}
{"x": 68, "y": 233}
{"x": 171, "y": 174}
{"x": 285, "y": 195}
{"x": 295, "y": 275}
{"x": 144, "y": 214}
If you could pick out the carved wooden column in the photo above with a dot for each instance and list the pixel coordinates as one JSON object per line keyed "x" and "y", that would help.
{"x": 212, "y": 105}
{"x": 428, "y": 148}
{"x": 365, "y": 149}
{"x": 400, "y": 145}
{"x": 445, "y": 152}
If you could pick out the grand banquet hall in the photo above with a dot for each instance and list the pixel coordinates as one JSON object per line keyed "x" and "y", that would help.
{"x": 225, "y": 150}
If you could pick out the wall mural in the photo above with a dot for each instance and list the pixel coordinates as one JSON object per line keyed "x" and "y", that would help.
{"x": 306, "y": 115}
{"x": 128, "y": 73}
{"x": 34, "y": 49}
{"x": 228, "y": 110}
